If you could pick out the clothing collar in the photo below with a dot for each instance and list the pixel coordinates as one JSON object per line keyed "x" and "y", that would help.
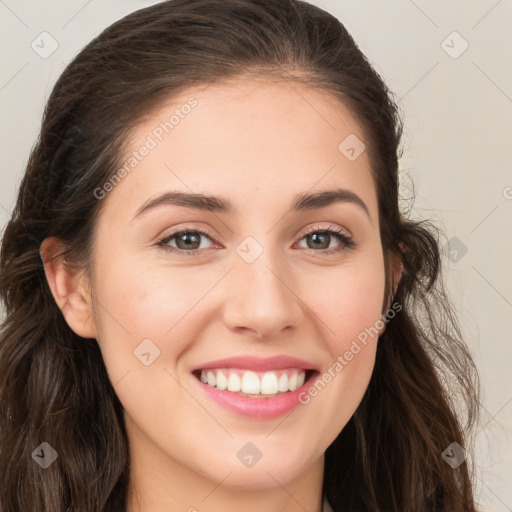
{"x": 326, "y": 506}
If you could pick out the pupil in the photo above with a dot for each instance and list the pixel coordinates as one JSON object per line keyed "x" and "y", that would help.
{"x": 317, "y": 236}
{"x": 186, "y": 239}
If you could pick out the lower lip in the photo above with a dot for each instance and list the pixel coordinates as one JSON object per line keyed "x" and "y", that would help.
{"x": 259, "y": 408}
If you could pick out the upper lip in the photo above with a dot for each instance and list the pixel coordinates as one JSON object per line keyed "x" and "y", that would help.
{"x": 279, "y": 362}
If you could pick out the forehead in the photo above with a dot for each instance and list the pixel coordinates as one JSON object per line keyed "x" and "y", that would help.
{"x": 260, "y": 140}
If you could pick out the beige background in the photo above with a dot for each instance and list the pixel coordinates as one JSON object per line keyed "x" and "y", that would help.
{"x": 457, "y": 104}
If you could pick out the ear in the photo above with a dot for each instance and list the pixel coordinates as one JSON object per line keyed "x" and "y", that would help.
{"x": 396, "y": 274}
{"x": 397, "y": 270}
{"x": 70, "y": 289}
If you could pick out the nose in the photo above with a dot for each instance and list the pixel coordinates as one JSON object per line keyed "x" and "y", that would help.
{"x": 261, "y": 299}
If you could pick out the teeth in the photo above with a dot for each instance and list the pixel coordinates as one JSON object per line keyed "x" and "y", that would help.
{"x": 269, "y": 384}
{"x": 234, "y": 383}
{"x": 292, "y": 382}
{"x": 222, "y": 381}
{"x": 252, "y": 383}
{"x": 283, "y": 383}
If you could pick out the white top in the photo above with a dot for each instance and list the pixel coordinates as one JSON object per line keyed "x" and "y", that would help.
{"x": 326, "y": 506}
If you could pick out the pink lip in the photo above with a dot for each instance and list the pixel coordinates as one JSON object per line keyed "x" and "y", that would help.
{"x": 257, "y": 364}
{"x": 257, "y": 408}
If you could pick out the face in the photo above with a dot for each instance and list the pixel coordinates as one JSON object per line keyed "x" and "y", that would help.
{"x": 256, "y": 273}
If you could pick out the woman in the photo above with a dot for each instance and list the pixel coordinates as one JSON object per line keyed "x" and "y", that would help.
{"x": 213, "y": 301}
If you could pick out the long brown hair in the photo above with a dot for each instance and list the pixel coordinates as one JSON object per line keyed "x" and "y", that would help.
{"x": 54, "y": 387}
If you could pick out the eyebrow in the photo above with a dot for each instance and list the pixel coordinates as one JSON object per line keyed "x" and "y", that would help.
{"x": 301, "y": 202}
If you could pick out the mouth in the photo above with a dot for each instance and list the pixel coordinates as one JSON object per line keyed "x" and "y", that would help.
{"x": 253, "y": 394}
{"x": 253, "y": 384}
{"x": 254, "y": 387}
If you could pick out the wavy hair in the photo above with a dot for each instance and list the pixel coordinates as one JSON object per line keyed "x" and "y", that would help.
{"x": 423, "y": 394}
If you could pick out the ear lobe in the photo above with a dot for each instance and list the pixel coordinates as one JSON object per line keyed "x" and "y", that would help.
{"x": 69, "y": 287}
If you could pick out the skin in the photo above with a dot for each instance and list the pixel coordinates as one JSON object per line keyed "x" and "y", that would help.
{"x": 259, "y": 144}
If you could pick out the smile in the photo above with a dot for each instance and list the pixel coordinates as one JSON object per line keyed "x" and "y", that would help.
{"x": 252, "y": 383}
{"x": 257, "y": 395}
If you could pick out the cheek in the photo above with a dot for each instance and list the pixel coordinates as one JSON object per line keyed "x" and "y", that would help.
{"x": 355, "y": 309}
{"x": 145, "y": 322}
{"x": 349, "y": 303}
{"x": 144, "y": 304}
{"x": 350, "y": 310}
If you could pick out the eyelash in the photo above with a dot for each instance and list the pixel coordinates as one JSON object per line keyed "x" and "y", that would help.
{"x": 347, "y": 243}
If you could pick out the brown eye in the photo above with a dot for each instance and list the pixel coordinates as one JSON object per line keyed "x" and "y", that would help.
{"x": 188, "y": 240}
{"x": 320, "y": 241}
{"x": 185, "y": 241}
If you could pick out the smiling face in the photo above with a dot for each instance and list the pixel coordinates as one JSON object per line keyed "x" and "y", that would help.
{"x": 264, "y": 280}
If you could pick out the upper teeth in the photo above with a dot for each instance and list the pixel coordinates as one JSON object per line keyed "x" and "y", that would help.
{"x": 247, "y": 381}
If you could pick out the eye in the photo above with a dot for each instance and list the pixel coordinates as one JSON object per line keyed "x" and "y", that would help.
{"x": 187, "y": 241}
{"x": 321, "y": 239}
